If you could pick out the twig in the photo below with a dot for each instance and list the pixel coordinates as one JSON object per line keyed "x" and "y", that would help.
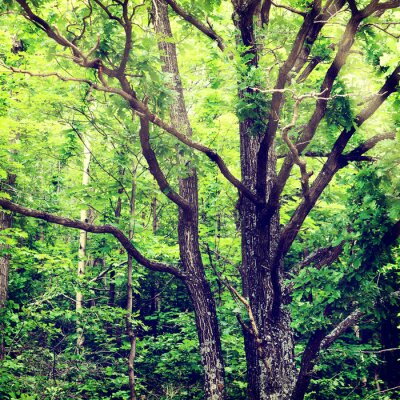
{"x": 291, "y": 9}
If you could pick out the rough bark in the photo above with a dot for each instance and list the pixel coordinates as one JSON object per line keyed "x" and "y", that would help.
{"x": 196, "y": 282}
{"x": 270, "y": 370}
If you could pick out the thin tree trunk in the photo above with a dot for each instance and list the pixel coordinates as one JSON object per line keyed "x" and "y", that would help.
{"x": 117, "y": 215}
{"x": 82, "y": 238}
{"x": 154, "y": 295}
{"x": 129, "y": 305}
{"x": 5, "y": 223}
{"x": 196, "y": 282}
{"x": 154, "y": 214}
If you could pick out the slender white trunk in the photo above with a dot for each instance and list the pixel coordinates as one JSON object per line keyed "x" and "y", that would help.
{"x": 83, "y": 236}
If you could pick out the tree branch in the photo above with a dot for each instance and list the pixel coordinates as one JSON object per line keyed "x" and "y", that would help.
{"x": 108, "y": 12}
{"x": 155, "y": 169}
{"x": 316, "y": 343}
{"x": 316, "y": 154}
{"x": 207, "y": 30}
{"x": 117, "y": 233}
{"x": 307, "y": 364}
{"x": 78, "y": 56}
{"x": 319, "y": 258}
{"x": 341, "y": 328}
{"x": 305, "y": 176}
{"x": 210, "y": 153}
{"x": 330, "y": 10}
{"x": 291, "y": 9}
{"x": 307, "y": 33}
{"x": 142, "y": 110}
{"x": 265, "y": 11}
{"x": 332, "y": 164}
{"x": 308, "y": 132}
{"x": 100, "y": 88}
{"x": 358, "y": 152}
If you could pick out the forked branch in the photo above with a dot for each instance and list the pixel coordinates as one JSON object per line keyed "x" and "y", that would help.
{"x": 155, "y": 169}
{"x": 339, "y": 61}
{"x": 332, "y": 164}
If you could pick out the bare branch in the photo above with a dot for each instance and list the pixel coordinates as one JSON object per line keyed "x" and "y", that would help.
{"x": 110, "y": 229}
{"x": 305, "y": 176}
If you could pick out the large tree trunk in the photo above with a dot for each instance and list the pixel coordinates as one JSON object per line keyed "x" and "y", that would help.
{"x": 270, "y": 359}
{"x": 270, "y": 375}
{"x": 5, "y": 223}
{"x": 196, "y": 282}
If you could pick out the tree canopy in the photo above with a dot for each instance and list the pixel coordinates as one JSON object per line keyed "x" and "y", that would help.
{"x": 199, "y": 199}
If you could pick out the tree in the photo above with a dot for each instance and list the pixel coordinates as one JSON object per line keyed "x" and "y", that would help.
{"x": 274, "y": 81}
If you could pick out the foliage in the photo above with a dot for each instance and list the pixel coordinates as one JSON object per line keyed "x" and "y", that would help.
{"x": 42, "y": 124}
